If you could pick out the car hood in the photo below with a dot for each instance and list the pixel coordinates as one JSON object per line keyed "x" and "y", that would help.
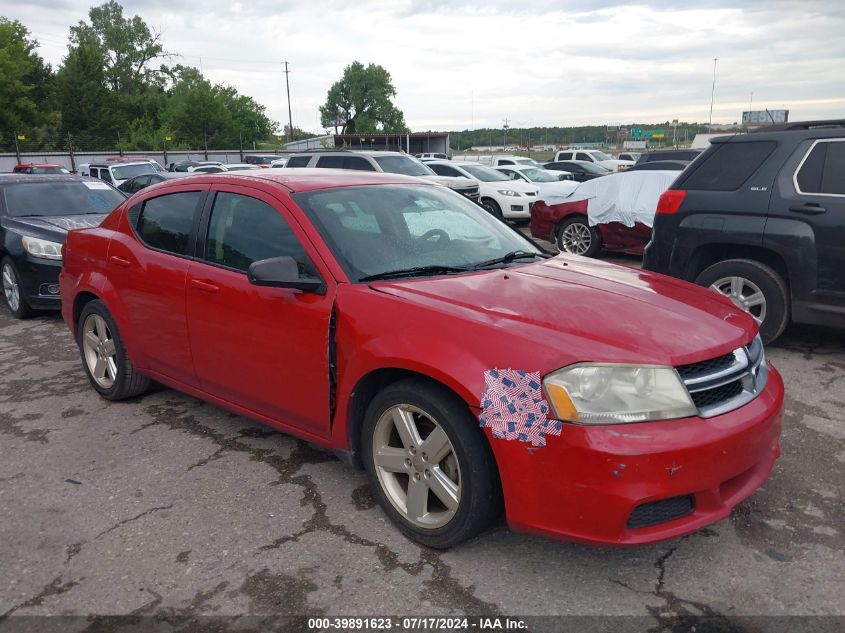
{"x": 453, "y": 182}
{"x": 53, "y": 226}
{"x": 590, "y": 311}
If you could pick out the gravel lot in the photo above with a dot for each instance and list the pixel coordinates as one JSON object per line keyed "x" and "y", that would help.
{"x": 170, "y": 507}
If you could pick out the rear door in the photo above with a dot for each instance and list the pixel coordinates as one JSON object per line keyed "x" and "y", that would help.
{"x": 263, "y": 348}
{"x": 813, "y": 193}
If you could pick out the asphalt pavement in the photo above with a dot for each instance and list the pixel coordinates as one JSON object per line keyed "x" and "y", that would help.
{"x": 168, "y": 507}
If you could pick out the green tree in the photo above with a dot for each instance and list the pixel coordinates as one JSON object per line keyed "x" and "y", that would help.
{"x": 360, "y": 102}
{"x": 25, "y": 81}
{"x": 87, "y": 111}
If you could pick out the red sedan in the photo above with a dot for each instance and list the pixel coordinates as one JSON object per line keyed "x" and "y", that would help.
{"x": 402, "y": 326}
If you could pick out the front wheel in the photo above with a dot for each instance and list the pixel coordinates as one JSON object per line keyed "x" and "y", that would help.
{"x": 104, "y": 357}
{"x": 753, "y": 287}
{"x": 12, "y": 291}
{"x": 428, "y": 464}
{"x": 492, "y": 207}
{"x": 577, "y": 237}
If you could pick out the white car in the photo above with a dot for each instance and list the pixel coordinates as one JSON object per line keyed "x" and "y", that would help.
{"x": 498, "y": 160}
{"x": 594, "y": 156}
{"x": 427, "y": 156}
{"x": 116, "y": 173}
{"x": 279, "y": 162}
{"x": 216, "y": 169}
{"x": 501, "y": 196}
{"x": 547, "y": 182}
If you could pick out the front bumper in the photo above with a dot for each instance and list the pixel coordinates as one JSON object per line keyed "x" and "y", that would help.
{"x": 585, "y": 484}
{"x": 39, "y": 281}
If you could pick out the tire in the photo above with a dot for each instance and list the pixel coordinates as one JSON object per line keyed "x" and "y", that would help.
{"x": 467, "y": 464}
{"x": 576, "y": 237}
{"x": 492, "y": 207}
{"x": 752, "y": 278}
{"x": 108, "y": 367}
{"x": 12, "y": 294}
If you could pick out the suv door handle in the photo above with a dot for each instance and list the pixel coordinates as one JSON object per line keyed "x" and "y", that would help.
{"x": 204, "y": 286}
{"x": 120, "y": 261}
{"x": 811, "y": 208}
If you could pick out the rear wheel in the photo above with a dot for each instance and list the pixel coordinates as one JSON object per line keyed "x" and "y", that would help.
{"x": 492, "y": 207}
{"x": 577, "y": 237}
{"x": 12, "y": 291}
{"x": 104, "y": 358}
{"x": 755, "y": 288}
{"x": 428, "y": 464}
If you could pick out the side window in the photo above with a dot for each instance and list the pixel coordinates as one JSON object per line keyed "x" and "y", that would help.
{"x": 94, "y": 173}
{"x": 506, "y": 162}
{"x": 583, "y": 156}
{"x": 445, "y": 170}
{"x": 298, "y": 161}
{"x": 166, "y": 222}
{"x": 105, "y": 174}
{"x": 729, "y": 165}
{"x": 823, "y": 171}
{"x": 356, "y": 162}
{"x": 243, "y": 230}
{"x": 330, "y": 162}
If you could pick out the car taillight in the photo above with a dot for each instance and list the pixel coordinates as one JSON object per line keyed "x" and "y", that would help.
{"x": 670, "y": 201}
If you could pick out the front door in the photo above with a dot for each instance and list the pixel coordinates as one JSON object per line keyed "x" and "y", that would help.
{"x": 262, "y": 348}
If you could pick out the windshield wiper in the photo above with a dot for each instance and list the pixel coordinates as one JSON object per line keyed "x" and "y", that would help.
{"x": 414, "y": 272}
{"x": 509, "y": 257}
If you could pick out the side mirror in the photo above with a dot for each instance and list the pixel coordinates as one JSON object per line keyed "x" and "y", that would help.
{"x": 282, "y": 272}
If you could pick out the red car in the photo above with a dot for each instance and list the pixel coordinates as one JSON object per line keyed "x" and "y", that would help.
{"x": 39, "y": 168}
{"x": 402, "y": 326}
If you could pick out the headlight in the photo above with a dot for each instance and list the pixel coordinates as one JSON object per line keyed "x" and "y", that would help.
{"x": 596, "y": 393}
{"x": 509, "y": 192}
{"x": 42, "y": 248}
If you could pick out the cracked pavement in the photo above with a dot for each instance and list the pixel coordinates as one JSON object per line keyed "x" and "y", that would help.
{"x": 167, "y": 506}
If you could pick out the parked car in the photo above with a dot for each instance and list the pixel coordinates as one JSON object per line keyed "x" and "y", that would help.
{"x": 760, "y": 218}
{"x": 217, "y": 169}
{"x": 580, "y": 170}
{"x": 186, "y": 165}
{"x": 262, "y": 160}
{"x": 115, "y": 173}
{"x": 631, "y": 156}
{"x": 547, "y": 182}
{"x": 36, "y": 213}
{"x": 435, "y": 346}
{"x": 135, "y": 184}
{"x": 135, "y": 159}
{"x": 432, "y": 156}
{"x": 39, "y": 168}
{"x": 498, "y": 160}
{"x": 279, "y": 162}
{"x": 383, "y": 161}
{"x": 501, "y": 196}
{"x": 615, "y": 213}
{"x": 687, "y": 155}
{"x": 660, "y": 165}
{"x": 593, "y": 156}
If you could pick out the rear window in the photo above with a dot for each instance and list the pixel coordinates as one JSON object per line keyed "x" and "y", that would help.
{"x": 823, "y": 169}
{"x": 74, "y": 197}
{"x": 344, "y": 162}
{"x": 728, "y": 166}
{"x": 298, "y": 161}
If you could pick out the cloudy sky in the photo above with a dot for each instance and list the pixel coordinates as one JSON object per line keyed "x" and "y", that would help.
{"x": 459, "y": 64}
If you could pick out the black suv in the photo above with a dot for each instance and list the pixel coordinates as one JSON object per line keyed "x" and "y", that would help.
{"x": 760, "y": 217}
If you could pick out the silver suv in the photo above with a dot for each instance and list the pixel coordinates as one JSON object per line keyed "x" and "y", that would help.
{"x": 388, "y": 162}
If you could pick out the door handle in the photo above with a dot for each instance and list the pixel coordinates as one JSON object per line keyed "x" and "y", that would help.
{"x": 811, "y": 208}
{"x": 120, "y": 261}
{"x": 204, "y": 286}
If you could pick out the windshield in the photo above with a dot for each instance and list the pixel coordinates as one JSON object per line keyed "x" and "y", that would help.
{"x": 403, "y": 165}
{"x": 526, "y": 161}
{"x": 49, "y": 170}
{"x": 600, "y": 155}
{"x": 594, "y": 169}
{"x": 484, "y": 174}
{"x": 377, "y": 229}
{"x": 74, "y": 197}
{"x": 130, "y": 171}
{"x": 539, "y": 175}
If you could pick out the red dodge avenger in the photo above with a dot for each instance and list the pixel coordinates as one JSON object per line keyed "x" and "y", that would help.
{"x": 400, "y": 325}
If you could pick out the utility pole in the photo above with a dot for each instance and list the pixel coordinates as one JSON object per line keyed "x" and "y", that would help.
{"x": 290, "y": 116}
{"x": 17, "y": 149}
{"x": 505, "y": 136}
{"x": 70, "y": 151}
{"x": 712, "y": 93}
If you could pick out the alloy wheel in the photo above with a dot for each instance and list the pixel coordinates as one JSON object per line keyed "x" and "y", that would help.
{"x": 11, "y": 289}
{"x": 416, "y": 466}
{"x": 99, "y": 350}
{"x": 745, "y": 295}
{"x": 575, "y": 238}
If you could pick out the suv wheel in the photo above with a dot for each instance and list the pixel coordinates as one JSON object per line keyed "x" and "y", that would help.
{"x": 492, "y": 207}
{"x": 428, "y": 465}
{"x": 754, "y": 287}
{"x": 12, "y": 291}
{"x": 104, "y": 358}
{"x": 577, "y": 237}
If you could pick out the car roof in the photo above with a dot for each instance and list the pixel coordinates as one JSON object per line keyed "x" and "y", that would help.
{"x": 299, "y": 179}
{"x": 367, "y": 152}
{"x": 6, "y": 179}
{"x": 40, "y": 165}
{"x": 120, "y": 163}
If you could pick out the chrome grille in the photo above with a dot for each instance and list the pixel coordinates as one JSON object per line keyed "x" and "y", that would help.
{"x": 727, "y": 382}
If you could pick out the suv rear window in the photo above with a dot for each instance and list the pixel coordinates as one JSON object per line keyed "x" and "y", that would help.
{"x": 729, "y": 166}
{"x": 298, "y": 161}
{"x": 823, "y": 168}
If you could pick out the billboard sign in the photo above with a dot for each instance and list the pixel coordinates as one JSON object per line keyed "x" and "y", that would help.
{"x": 764, "y": 117}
